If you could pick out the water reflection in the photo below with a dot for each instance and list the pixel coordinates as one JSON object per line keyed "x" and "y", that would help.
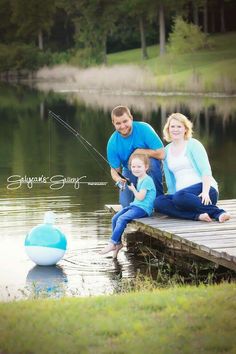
{"x": 33, "y": 145}
{"x": 50, "y": 280}
{"x": 146, "y": 102}
{"x": 82, "y": 271}
{"x": 146, "y": 105}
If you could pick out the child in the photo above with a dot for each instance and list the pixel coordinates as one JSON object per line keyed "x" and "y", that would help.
{"x": 141, "y": 207}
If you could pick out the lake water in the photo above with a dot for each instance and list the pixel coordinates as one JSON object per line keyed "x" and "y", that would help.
{"x": 32, "y": 145}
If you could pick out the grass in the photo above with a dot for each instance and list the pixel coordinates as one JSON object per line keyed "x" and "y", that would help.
{"x": 132, "y": 56}
{"x": 178, "y": 320}
{"x": 206, "y": 70}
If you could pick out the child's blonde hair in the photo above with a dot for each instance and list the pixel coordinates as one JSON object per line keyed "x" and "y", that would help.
{"x": 142, "y": 157}
{"x": 182, "y": 119}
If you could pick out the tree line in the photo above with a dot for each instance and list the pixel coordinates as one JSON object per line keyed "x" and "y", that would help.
{"x": 94, "y": 28}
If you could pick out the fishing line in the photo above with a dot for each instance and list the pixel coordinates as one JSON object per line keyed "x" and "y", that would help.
{"x": 91, "y": 154}
{"x": 83, "y": 142}
{"x": 49, "y": 146}
{"x": 81, "y": 139}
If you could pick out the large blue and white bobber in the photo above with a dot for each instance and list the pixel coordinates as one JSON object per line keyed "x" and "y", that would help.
{"x": 45, "y": 244}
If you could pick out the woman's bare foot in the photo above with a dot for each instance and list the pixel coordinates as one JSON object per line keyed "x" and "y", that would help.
{"x": 204, "y": 217}
{"x": 224, "y": 217}
{"x": 110, "y": 247}
{"x": 117, "y": 250}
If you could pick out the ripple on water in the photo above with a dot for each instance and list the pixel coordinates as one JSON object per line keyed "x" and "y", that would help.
{"x": 82, "y": 271}
{"x": 88, "y": 261}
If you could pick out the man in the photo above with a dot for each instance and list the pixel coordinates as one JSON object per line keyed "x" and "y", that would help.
{"x": 133, "y": 136}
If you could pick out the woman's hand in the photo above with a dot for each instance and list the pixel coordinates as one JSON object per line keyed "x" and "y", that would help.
{"x": 206, "y": 185}
{"x": 206, "y": 200}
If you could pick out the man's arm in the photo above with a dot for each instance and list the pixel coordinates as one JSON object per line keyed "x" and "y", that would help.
{"x": 158, "y": 154}
{"x": 115, "y": 175}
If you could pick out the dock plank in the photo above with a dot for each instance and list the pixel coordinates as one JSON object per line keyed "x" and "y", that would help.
{"x": 214, "y": 241}
{"x": 231, "y": 250}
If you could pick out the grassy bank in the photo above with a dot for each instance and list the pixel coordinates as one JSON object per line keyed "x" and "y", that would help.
{"x": 212, "y": 69}
{"x": 204, "y": 71}
{"x": 177, "y": 320}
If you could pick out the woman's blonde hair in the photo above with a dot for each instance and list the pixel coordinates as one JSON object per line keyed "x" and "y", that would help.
{"x": 142, "y": 157}
{"x": 182, "y": 119}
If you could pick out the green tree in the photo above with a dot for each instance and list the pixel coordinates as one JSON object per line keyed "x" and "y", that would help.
{"x": 162, "y": 28}
{"x": 139, "y": 10}
{"x": 222, "y": 16}
{"x": 33, "y": 18}
{"x": 94, "y": 19}
{"x": 7, "y": 30}
{"x": 195, "y": 10}
{"x": 164, "y": 9}
{"x": 186, "y": 37}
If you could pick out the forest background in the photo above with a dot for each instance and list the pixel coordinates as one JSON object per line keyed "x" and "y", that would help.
{"x": 55, "y": 31}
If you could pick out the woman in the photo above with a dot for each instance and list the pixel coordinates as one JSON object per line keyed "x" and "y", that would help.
{"x": 192, "y": 191}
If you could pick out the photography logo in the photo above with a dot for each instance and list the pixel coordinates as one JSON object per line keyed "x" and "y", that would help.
{"x": 54, "y": 182}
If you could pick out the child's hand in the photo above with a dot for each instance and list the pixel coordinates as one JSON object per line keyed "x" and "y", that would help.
{"x": 132, "y": 188}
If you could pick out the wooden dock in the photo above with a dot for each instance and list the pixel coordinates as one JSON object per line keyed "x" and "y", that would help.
{"x": 213, "y": 241}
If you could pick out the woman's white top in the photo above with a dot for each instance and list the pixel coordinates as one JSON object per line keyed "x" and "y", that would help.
{"x": 185, "y": 174}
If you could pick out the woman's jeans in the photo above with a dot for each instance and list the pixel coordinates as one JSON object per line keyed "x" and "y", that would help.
{"x": 155, "y": 171}
{"x": 122, "y": 218}
{"x": 185, "y": 204}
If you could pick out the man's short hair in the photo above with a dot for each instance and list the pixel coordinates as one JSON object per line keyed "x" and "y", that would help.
{"x": 118, "y": 111}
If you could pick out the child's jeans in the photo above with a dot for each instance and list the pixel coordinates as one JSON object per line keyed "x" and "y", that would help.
{"x": 122, "y": 218}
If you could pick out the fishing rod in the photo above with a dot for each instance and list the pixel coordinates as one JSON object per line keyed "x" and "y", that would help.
{"x": 83, "y": 140}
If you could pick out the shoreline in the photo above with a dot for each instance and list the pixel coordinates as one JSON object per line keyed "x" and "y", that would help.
{"x": 49, "y": 85}
{"x": 148, "y": 93}
{"x": 117, "y": 80}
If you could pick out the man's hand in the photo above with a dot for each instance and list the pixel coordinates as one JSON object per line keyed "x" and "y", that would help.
{"x": 158, "y": 154}
{"x": 121, "y": 183}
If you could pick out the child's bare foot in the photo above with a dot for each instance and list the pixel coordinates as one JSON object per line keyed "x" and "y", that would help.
{"x": 224, "y": 217}
{"x": 117, "y": 250}
{"x": 110, "y": 247}
{"x": 204, "y": 217}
